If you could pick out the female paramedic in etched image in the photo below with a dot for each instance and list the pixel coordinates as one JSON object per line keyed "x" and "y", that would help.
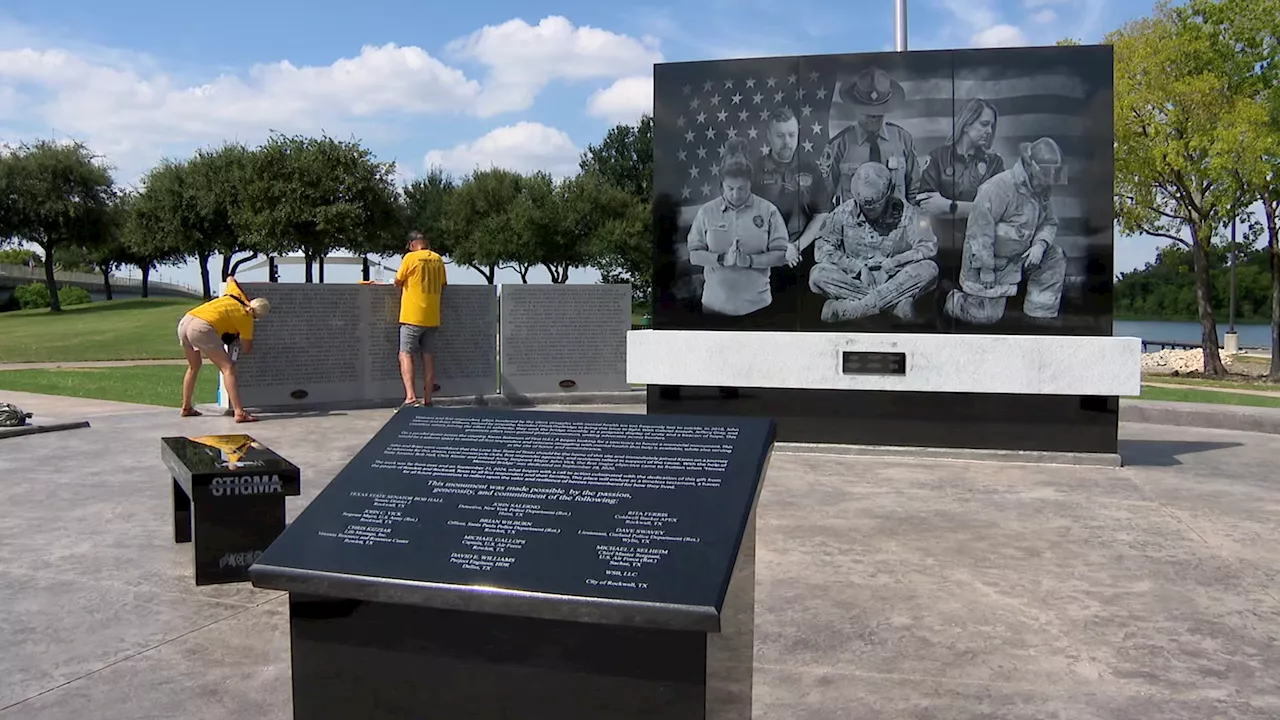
{"x": 208, "y": 329}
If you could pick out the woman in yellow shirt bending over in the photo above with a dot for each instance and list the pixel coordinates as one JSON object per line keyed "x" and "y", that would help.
{"x": 208, "y": 329}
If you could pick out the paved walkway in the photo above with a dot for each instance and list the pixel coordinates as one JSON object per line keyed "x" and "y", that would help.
{"x": 1237, "y": 391}
{"x": 87, "y": 364}
{"x": 885, "y": 588}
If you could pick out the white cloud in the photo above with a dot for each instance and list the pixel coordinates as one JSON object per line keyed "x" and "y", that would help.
{"x": 1002, "y": 35}
{"x": 1033, "y": 4}
{"x": 523, "y": 147}
{"x": 126, "y": 106}
{"x": 522, "y": 58}
{"x": 624, "y": 101}
{"x": 1044, "y": 17}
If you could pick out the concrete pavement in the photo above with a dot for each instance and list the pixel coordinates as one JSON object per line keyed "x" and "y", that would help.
{"x": 888, "y": 588}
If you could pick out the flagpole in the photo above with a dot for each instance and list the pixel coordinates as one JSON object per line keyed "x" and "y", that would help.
{"x": 900, "y": 25}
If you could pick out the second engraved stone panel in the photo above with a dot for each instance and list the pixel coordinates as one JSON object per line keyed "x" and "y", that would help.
{"x": 339, "y": 343}
{"x": 564, "y": 338}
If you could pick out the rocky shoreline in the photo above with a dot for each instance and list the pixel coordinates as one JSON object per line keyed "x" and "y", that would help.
{"x": 1191, "y": 362}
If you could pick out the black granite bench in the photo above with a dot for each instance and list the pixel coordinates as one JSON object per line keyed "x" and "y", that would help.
{"x": 228, "y": 497}
{"x": 486, "y": 564}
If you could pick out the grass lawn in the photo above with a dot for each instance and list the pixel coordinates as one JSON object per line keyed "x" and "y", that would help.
{"x": 1207, "y": 396}
{"x": 116, "y": 330}
{"x": 146, "y": 384}
{"x": 1242, "y": 383}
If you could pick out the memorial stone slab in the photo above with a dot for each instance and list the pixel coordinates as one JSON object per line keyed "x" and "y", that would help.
{"x": 228, "y": 501}
{"x": 340, "y": 343}
{"x": 563, "y": 338}
{"x": 484, "y": 564}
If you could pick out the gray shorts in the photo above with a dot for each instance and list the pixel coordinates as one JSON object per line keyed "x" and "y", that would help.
{"x": 417, "y": 339}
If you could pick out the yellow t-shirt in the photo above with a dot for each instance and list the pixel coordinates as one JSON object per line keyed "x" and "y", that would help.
{"x": 226, "y": 315}
{"x": 422, "y": 278}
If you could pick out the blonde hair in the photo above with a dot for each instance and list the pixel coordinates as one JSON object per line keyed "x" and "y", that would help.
{"x": 261, "y": 307}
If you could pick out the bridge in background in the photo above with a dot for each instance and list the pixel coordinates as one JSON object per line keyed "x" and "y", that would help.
{"x": 12, "y": 276}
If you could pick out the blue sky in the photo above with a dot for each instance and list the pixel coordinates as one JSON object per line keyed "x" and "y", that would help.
{"x": 459, "y": 84}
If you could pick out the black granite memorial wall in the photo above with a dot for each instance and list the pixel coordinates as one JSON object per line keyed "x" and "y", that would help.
{"x": 485, "y": 564}
{"x": 988, "y": 236}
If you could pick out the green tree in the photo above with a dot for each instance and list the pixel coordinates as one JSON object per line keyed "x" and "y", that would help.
{"x": 54, "y": 195}
{"x": 1067, "y": 42}
{"x": 607, "y": 228}
{"x": 145, "y": 237}
{"x": 167, "y": 213}
{"x": 20, "y": 256}
{"x": 1171, "y": 83}
{"x": 318, "y": 195}
{"x": 481, "y": 216}
{"x": 624, "y": 158}
{"x": 216, "y": 179}
{"x": 1248, "y": 142}
{"x": 425, "y": 200}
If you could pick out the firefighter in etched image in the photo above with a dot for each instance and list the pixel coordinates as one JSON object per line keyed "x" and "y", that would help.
{"x": 876, "y": 253}
{"x": 737, "y": 239}
{"x": 1010, "y": 236}
{"x": 872, "y": 95}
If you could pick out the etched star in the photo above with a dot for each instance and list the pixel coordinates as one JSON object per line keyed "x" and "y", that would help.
{"x": 724, "y": 150}
{"x": 702, "y": 118}
{"x": 813, "y": 76}
{"x": 688, "y": 89}
{"x": 682, "y": 155}
{"x": 800, "y": 93}
{"x": 764, "y": 114}
{"x": 715, "y": 169}
{"x": 680, "y": 121}
{"x": 732, "y": 132}
{"x": 778, "y": 96}
{"x": 736, "y": 98}
{"x": 693, "y": 171}
{"x": 751, "y": 133}
{"x": 757, "y": 98}
{"x": 684, "y": 192}
{"x": 711, "y": 133}
{"x": 715, "y": 99}
{"x": 728, "y": 84}
{"x": 817, "y": 128}
{"x": 821, "y": 93}
{"x": 694, "y": 103}
{"x": 764, "y": 149}
{"x": 791, "y": 79}
{"x": 706, "y": 189}
{"x": 742, "y": 116}
{"x": 771, "y": 82}
{"x": 706, "y": 86}
{"x": 806, "y": 110}
{"x": 722, "y": 115}
{"x": 808, "y": 146}
{"x": 688, "y": 137}
{"x": 751, "y": 82}
{"x": 702, "y": 153}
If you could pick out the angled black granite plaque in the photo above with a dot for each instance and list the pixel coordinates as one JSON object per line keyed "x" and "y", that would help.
{"x": 480, "y": 563}
{"x": 228, "y": 496}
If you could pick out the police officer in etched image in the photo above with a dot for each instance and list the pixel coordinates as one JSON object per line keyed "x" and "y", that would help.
{"x": 872, "y": 95}
{"x": 1011, "y": 232}
{"x": 876, "y": 252}
{"x": 794, "y": 185}
{"x": 952, "y": 172}
{"x": 737, "y": 239}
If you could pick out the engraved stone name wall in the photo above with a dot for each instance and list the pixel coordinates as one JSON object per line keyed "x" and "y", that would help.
{"x": 339, "y": 343}
{"x": 564, "y": 338}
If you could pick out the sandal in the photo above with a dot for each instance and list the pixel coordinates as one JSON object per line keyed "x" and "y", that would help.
{"x": 246, "y": 418}
{"x": 191, "y": 412}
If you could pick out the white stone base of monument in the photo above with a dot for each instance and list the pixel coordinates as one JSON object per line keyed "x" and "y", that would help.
{"x": 944, "y": 363}
{"x": 1232, "y": 343}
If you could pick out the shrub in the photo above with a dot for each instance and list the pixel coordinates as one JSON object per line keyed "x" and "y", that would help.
{"x": 73, "y": 295}
{"x": 32, "y": 296}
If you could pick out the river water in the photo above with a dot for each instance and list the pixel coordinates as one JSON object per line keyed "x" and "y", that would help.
{"x": 1251, "y": 336}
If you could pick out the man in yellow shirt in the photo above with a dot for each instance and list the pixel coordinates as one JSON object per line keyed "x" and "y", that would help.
{"x": 421, "y": 279}
{"x": 208, "y": 329}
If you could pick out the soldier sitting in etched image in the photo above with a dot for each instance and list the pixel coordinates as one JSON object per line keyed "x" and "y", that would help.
{"x": 872, "y": 95}
{"x": 1011, "y": 229}
{"x": 737, "y": 239}
{"x": 876, "y": 253}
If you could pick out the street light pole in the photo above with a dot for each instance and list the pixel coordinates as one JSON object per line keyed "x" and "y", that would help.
{"x": 1232, "y": 311}
{"x": 900, "y": 25}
